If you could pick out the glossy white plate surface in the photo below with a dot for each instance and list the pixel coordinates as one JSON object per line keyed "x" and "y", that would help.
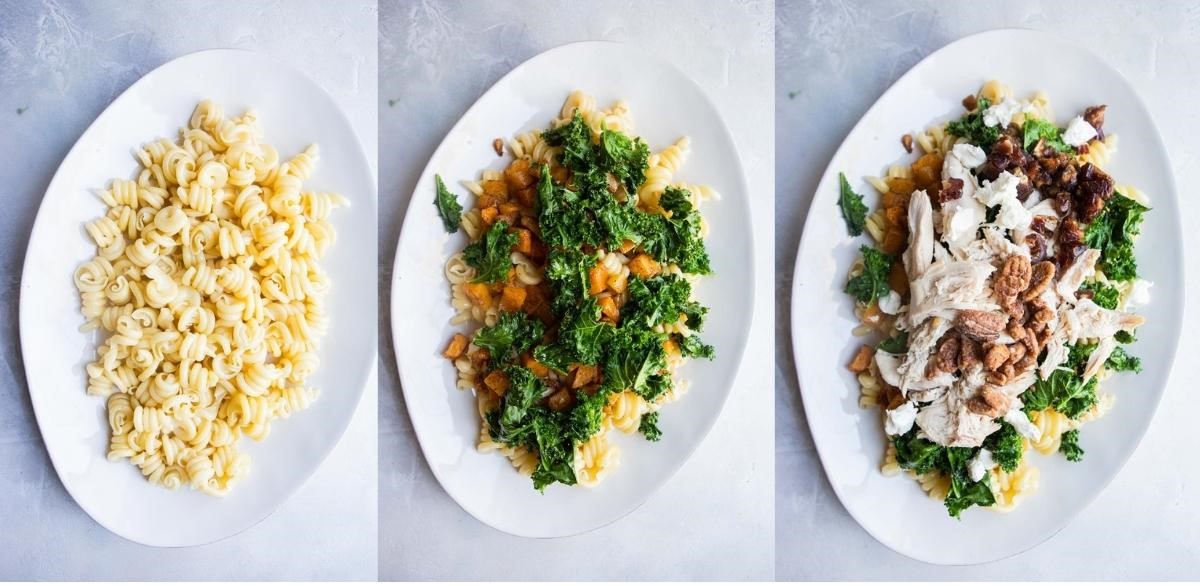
{"x": 665, "y": 105}
{"x": 294, "y": 112}
{"x": 850, "y": 440}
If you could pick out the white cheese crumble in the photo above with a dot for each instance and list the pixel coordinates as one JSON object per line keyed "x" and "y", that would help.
{"x": 1003, "y": 192}
{"x": 901, "y": 419}
{"x": 1002, "y": 114}
{"x": 890, "y": 303}
{"x": 1078, "y": 132}
{"x": 979, "y": 466}
{"x": 1017, "y": 418}
{"x": 960, "y": 222}
{"x": 1139, "y": 294}
{"x": 969, "y": 155}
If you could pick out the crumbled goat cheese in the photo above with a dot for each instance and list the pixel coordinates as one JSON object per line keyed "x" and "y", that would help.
{"x": 900, "y": 420}
{"x": 979, "y": 466}
{"x": 1078, "y": 132}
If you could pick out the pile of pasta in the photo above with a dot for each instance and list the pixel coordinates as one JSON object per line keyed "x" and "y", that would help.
{"x": 209, "y": 297}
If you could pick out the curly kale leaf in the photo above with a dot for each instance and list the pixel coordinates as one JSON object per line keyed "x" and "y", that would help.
{"x": 916, "y": 454}
{"x": 1064, "y": 390}
{"x": 676, "y": 239}
{"x": 447, "y": 206}
{"x": 693, "y": 346}
{"x": 1036, "y": 129}
{"x": 625, "y": 158}
{"x": 660, "y": 300}
{"x": 1070, "y": 446}
{"x": 490, "y": 255}
{"x": 567, "y": 273}
{"x": 965, "y": 492}
{"x": 854, "y": 211}
{"x": 897, "y": 344}
{"x": 972, "y": 128}
{"x": 1007, "y": 446}
{"x": 583, "y": 334}
{"x": 1122, "y": 361}
{"x": 649, "y": 427}
{"x": 634, "y": 359}
{"x": 1112, "y": 233}
{"x": 513, "y": 333}
{"x": 1103, "y": 294}
{"x": 873, "y": 282}
{"x": 575, "y": 138}
{"x": 587, "y": 415}
{"x": 563, "y": 216}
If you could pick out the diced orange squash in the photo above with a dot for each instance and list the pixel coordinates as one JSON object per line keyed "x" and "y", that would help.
{"x": 527, "y": 197}
{"x": 537, "y": 368}
{"x": 643, "y": 266}
{"x": 512, "y": 298}
{"x": 581, "y": 375}
{"x": 901, "y": 185}
{"x": 891, "y": 200}
{"x": 597, "y": 279}
{"x": 524, "y": 242}
{"x": 478, "y": 294}
{"x": 898, "y": 279}
{"x": 895, "y": 215}
{"x": 509, "y": 212}
{"x": 480, "y": 358}
{"x": 455, "y": 348}
{"x": 496, "y": 382}
{"x": 618, "y": 282}
{"x": 489, "y": 215}
{"x": 608, "y": 309}
{"x": 670, "y": 346}
{"x": 893, "y": 241}
{"x": 626, "y": 246}
{"x": 862, "y": 359}
{"x": 495, "y": 189}
{"x": 560, "y": 400}
{"x": 519, "y": 175}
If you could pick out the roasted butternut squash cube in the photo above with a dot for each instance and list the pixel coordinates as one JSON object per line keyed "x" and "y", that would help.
{"x": 643, "y": 266}
{"x": 478, "y": 294}
{"x": 537, "y": 368}
{"x": 582, "y": 375}
{"x": 597, "y": 279}
{"x": 862, "y": 359}
{"x": 496, "y": 382}
{"x": 608, "y": 309}
{"x": 456, "y": 347}
{"x": 512, "y": 298}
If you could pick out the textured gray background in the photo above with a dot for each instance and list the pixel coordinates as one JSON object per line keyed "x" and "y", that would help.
{"x": 833, "y": 60}
{"x": 65, "y": 62}
{"x": 715, "y": 518}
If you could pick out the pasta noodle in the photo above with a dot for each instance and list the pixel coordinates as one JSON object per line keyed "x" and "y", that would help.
{"x": 208, "y": 288}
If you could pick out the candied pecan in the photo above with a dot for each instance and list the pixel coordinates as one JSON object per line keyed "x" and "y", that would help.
{"x": 989, "y": 402}
{"x": 1016, "y": 352}
{"x": 946, "y": 358}
{"x": 970, "y": 103}
{"x": 982, "y": 326}
{"x": 1094, "y": 115}
{"x": 1042, "y": 314}
{"x": 1014, "y": 276}
{"x": 907, "y": 140}
{"x": 1031, "y": 342}
{"x": 969, "y": 354}
{"x": 994, "y": 356}
{"x": 951, "y": 190}
{"x": 1042, "y": 275}
{"x": 1015, "y": 330}
{"x": 1013, "y": 307}
{"x": 1027, "y": 362}
{"x": 997, "y": 378}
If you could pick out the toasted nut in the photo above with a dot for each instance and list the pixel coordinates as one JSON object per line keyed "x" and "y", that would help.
{"x": 1014, "y": 276}
{"x": 1040, "y": 279}
{"x": 907, "y": 141}
{"x": 989, "y": 402}
{"x": 498, "y": 146}
{"x": 982, "y": 326}
{"x": 995, "y": 356}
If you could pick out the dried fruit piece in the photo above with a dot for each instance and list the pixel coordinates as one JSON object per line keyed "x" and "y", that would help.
{"x": 1039, "y": 281}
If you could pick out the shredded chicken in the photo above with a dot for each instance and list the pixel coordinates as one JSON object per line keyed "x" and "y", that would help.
{"x": 948, "y": 422}
{"x": 948, "y": 286}
{"x": 919, "y": 255}
{"x": 1081, "y": 270}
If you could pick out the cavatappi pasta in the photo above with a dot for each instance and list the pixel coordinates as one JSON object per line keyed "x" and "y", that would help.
{"x": 209, "y": 298}
{"x": 577, "y": 310}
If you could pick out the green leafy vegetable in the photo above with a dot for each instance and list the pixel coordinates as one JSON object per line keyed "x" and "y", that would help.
{"x": 1036, "y": 129}
{"x": 972, "y": 128}
{"x": 582, "y": 332}
{"x": 490, "y": 255}
{"x": 447, "y": 206}
{"x": 897, "y": 344}
{"x": 625, "y": 158}
{"x": 649, "y": 427}
{"x": 1122, "y": 361}
{"x": 1104, "y": 295}
{"x": 633, "y": 357}
{"x": 873, "y": 282}
{"x": 1065, "y": 390}
{"x": 854, "y": 211}
{"x": 1112, "y": 233}
{"x": 514, "y": 333}
{"x": 692, "y": 346}
{"x": 922, "y": 456}
{"x": 1070, "y": 446}
{"x": 1007, "y": 446}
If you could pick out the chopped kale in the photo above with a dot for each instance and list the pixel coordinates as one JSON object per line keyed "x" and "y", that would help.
{"x": 1070, "y": 446}
{"x": 972, "y": 128}
{"x": 854, "y": 211}
{"x": 649, "y": 427}
{"x": 897, "y": 344}
{"x": 1007, "y": 446}
{"x": 490, "y": 255}
{"x": 513, "y": 333}
{"x": 1103, "y": 294}
{"x": 872, "y": 283}
{"x": 1035, "y": 130}
{"x": 447, "y": 206}
{"x": 1112, "y": 233}
{"x": 1122, "y": 361}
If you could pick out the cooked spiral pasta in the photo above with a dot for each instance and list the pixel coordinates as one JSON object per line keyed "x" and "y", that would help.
{"x": 207, "y": 285}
